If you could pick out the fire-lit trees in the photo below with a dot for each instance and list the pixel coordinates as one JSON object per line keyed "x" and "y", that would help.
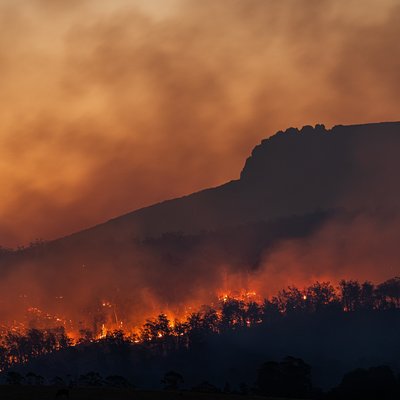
{"x": 19, "y": 348}
{"x": 233, "y": 313}
{"x": 231, "y": 316}
{"x": 388, "y": 293}
{"x": 159, "y": 334}
{"x": 270, "y": 311}
{"x": 210, "y": 320}
{"x": 290, "y": 300}
{"x": 350, "y": 294}
{"x": 319, "y": 296}
{"x": 156, "y": 328}
{"x": 196, "y": 329}
{"x": 253, "y": 313}
{"x": 366, "y": 296}
{"x": 116, "y": 337}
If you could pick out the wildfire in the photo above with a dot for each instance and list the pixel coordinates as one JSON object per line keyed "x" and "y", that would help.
{"x": 107, "y": 315}
{"x": 103, "y": 332}
{"x": 243, "y": 295}
{"x": 234, "y": 310}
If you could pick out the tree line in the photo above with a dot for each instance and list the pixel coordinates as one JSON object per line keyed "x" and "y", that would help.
{"x": 161, "y": 335}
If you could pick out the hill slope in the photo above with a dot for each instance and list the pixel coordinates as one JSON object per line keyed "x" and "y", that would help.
{"x": 292, "y": 172}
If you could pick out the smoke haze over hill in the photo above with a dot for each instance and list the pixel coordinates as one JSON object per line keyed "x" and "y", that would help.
{"x": 108, "y": 107}
{"x": 313, "y": 204}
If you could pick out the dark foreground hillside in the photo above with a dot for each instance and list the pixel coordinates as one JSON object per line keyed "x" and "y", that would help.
{"x": 50, "y": 393}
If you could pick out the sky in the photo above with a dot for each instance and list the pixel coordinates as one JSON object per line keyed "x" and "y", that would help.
{"x": 111, "y": 106}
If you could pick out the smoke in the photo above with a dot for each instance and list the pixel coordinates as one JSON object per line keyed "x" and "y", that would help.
{"x": 363, "y": 248}
{"x": 107, "y": 108}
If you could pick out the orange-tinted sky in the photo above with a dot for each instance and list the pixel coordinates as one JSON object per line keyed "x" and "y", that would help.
{"x": 110, "y": 106}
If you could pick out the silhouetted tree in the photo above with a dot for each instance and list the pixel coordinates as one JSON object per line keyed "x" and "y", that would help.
{"x": 233, "y": 313}
{"x": 253, "y": 313}
{"x": 85, "y": 336}
{"x": 210, "y": 320}
{"x": 291, "y": 300}
{"x": 117, "y": 381}
{"x": 116, "y": 337}
{"x": 350, "y": 294}
{"x": 270, "y": 379}
{"x": 243, "y": 388}
{"x": 367, "y": 296}
{"x": 196, "y": 332}
{"x": 63, "y": 341}
{"x": 156, "y": 328}
{"x": 389, "y": 292}
{"x": 367, "y": 384}
{"x": 180, "y": 333}
{"x": 172, "y": 380}
{"x": 320, "y": 296}
{"x": 205, "y": 387}
{"x": 289, "y": 378}
{"x": 33, "y": 379}
{"x": 14, "y": 378}
{"x": 270, "y": 312}
{"x": 297, "y": 377}
{"x": 57, "y": 381}
{"x": 90, "y": 379}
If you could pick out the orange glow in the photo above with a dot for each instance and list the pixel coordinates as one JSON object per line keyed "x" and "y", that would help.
{"x": 103, "y": 319}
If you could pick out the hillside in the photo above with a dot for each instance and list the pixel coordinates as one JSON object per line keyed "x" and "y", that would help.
{"x": 339, "y": 168}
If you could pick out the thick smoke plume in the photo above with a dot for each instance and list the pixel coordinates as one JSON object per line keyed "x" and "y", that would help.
{"x": 106, "y": 108}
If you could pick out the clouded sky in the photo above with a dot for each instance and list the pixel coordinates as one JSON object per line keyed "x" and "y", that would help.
{"x": 110, "y": 106}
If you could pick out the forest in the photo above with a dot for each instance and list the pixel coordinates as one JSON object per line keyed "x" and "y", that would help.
{"x": 344, "y": 310}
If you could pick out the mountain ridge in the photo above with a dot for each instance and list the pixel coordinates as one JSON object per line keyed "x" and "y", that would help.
{"x": 272, "y": 162}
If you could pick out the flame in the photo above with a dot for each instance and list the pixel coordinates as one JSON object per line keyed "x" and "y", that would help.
{"x": 103, "y": 333}
{"x": 110, "y": 313}
{"x": 240, "y": 295}
{"x": 107, "y": 316}
{"x": 224, "y": 298}
{"x": 247, "y": 306}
